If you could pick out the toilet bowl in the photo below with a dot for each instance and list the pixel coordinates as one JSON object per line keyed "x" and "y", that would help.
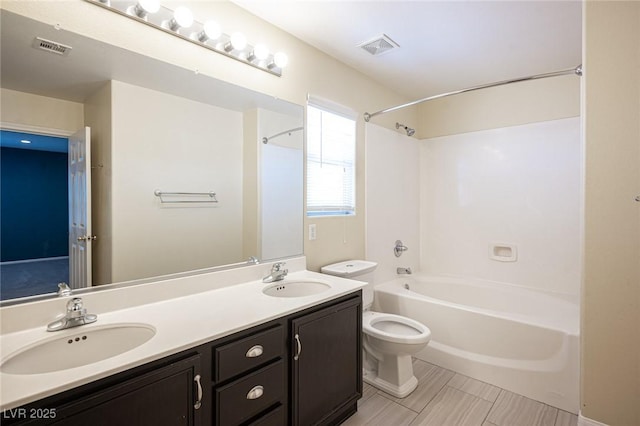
{"x": 388, "y": 340}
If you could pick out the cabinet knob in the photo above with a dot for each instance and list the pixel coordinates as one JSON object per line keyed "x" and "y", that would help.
{"x": 256, "y": 392}
{"x": 255, "y": 351}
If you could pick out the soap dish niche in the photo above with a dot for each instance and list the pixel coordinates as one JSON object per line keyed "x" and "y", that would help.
{"x": 503, "y": 252}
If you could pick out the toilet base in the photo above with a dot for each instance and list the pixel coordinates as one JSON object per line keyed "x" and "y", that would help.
{"x": 402, "y": 391}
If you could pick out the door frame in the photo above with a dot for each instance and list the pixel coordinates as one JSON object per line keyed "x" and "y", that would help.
{"x": 27, "y": 128}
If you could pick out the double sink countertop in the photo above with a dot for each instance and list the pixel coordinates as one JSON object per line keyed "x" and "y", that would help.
{"x": 180, "y": 321}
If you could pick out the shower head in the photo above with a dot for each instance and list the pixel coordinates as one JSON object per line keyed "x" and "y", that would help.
{"x": 409, "y": 130}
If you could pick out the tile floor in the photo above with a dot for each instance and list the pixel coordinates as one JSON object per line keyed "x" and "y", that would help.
{"x": 444, "y": 398}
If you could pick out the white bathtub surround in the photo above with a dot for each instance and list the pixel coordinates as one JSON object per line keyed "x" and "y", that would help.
{"x": 521, "y": 340}
{"x": 498, "y": 209}
{"x": 392, "y": 201}
{"x": 226, "y": 301}
{"x": 484, "y": 192}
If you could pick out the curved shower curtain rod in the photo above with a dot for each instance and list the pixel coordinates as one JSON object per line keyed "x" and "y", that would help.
{"x": 577, "y": 71}
{"x": 266, "y": 139}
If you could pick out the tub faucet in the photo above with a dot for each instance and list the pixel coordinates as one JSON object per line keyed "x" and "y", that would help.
{"x": 402, "y": 271}
{"x": 76, "y": 315}
{"x": 277, "y": 273}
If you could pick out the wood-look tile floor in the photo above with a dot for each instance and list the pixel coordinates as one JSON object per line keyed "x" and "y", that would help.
{"x": 444, "y": 398}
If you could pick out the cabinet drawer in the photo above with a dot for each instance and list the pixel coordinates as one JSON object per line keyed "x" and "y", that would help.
{"x": 246, "y": 397}
{"x": 244, "y": 354}
{"x": 275, "y": 417}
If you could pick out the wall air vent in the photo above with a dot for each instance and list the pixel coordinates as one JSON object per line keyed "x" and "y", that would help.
{"x": 379, "y": 45}
{"x": 51, "y": 46}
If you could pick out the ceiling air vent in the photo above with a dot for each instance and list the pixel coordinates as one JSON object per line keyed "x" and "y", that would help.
{"x": 51, "y": 46}
{"x": 379, "y": 45}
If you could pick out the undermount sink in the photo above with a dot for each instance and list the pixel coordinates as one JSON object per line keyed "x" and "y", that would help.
{"x": 296, "y": 288}
{"x": 78, "y": 348}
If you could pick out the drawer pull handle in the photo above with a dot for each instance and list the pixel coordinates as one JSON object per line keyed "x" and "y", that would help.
{"x": 298, "y": 348}
{"x": 255, "y": 351}
{"x": 256, "y": 392}
{"x": 198, "y": 403}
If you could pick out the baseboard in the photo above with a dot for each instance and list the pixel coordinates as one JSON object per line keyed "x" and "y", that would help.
{"x": 585, "y": 421}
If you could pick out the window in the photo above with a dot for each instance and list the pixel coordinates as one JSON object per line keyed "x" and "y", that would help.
{"x": 331, "y": 150}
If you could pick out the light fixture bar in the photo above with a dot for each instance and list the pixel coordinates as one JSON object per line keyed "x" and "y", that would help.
{"x": 164, "y": 18}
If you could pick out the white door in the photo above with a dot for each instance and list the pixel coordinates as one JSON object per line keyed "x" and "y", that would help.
{"x": 80, "y": 236}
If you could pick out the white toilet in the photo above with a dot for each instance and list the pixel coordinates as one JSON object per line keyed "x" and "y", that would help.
{"x": 388, "y": 340}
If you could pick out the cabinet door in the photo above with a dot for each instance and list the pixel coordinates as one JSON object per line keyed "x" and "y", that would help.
{"x": 166, "y": 396}
{"x": 327, "y": 366}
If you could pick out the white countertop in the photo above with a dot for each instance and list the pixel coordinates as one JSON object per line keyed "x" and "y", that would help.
{"x": 181, "y": 323}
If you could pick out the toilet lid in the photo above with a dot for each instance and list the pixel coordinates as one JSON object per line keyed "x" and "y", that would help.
{"x": 394, "y": 328}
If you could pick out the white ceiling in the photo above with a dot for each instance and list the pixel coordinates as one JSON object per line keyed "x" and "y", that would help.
{"x": 444, "y": 45}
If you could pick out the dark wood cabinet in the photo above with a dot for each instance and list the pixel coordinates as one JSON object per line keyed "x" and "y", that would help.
{"x": 327, "y": 364}
{"x": 166, "y": 395}
{"x": 302, "y": 369}
{"x": 250, "y": 376}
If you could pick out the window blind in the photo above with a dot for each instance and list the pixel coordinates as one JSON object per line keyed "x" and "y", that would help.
{"x": 330, "y": 160}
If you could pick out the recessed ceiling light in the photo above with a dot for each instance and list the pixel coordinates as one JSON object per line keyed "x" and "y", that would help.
{"x": 24, "y": 141}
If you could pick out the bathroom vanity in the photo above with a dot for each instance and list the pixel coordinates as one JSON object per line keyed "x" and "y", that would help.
{"x": 300, "y": 368}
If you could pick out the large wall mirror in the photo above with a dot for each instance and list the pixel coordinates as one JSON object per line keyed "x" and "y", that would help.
{"x": 162, "y": 140}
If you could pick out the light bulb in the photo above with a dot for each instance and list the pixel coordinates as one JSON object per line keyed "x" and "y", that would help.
{"x": 144, "y": 7}
{"x": 280, "y": 59}
{"x": 211, "y": 30}
{"x": 182, "y": 18}
{"x": 261, "y": 51}
{"x": 237, "y": 41}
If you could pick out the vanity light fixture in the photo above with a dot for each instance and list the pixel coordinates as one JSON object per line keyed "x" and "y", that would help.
{"x": 181, "y": 23}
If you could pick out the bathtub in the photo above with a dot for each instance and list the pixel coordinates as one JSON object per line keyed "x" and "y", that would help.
{"x": 522, "y": 340}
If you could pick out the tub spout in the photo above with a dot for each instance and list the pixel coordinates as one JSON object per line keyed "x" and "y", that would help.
{"x": 403, "y": 271}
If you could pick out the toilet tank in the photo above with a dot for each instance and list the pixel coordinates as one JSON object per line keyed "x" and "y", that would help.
{"x": 360, "y": 270}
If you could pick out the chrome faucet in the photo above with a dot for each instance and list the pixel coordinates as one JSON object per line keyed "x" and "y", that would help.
{"x": 277, "y": 273}
{"x": 401, "y": 271}
{"x": 76, "y": 315}
{"x": 63, "y": 289}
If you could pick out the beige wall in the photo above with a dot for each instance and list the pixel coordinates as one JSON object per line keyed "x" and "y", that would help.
{"x": 170, "y": 143}
{"x": 35, "y": 112}
{"x": 97, "y": 110}
{"x": 309, "y": 71}
{"x": 503, "y": 106}
{"x": 611, "y": 287}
